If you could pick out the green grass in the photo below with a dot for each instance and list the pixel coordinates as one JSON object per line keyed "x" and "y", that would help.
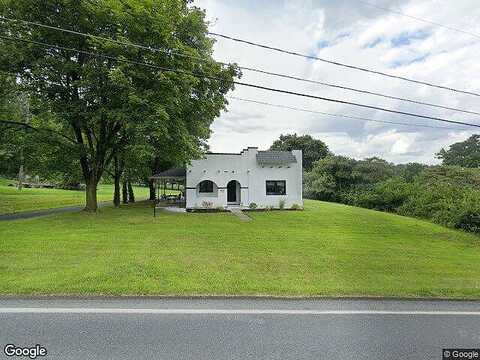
{"x": 328, "y": 249}
{"x": 13, "y": 200}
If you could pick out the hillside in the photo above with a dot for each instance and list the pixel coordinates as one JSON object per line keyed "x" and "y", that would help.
{"x": 327, "y": 249}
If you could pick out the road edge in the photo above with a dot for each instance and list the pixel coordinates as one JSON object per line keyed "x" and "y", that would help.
{"x": 228, "y": 297}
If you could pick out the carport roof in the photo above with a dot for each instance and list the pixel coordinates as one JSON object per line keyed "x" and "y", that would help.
{"x": 171, "y": 173}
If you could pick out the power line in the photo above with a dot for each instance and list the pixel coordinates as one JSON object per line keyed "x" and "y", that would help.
{"x": 176, "y": 53}
{"x": 124, "y": 43}
{"x": 311, "y": 57}
{"x": 360, "y": 90}
{"x": 95, "y": 54}
{"x": 198, "y": 75}
{"x": 340, "y": 115}
{"x": 27, "y": 126}
{"x": 356, "y": 104}
{"x": 419, "y": 19}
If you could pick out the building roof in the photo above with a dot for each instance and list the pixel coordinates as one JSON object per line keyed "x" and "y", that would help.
{"x": 171, "y": 173}
{"x": 271, "y": 157}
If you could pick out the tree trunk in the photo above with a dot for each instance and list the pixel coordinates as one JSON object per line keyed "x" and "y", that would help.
{"x": 116, "y": 191}
{"x": 25, "y": 110}
{"x": 151, "y": 185}
{"x": 91, "y": 195}
{"x": 131, "y": 195}
{"x": 116, "y": 182}
{"x": 124, "y": 192}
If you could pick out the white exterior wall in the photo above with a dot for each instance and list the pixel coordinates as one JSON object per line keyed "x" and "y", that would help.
{"x": 243, "y": 167}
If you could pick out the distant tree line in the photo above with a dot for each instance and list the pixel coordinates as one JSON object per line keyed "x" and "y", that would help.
{"x": 447, "y": 194}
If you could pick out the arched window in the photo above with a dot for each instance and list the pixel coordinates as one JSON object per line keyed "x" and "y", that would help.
{"x": 206, "y": 186}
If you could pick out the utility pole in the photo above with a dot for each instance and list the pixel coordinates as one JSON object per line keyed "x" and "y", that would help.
{"x": 20, "y": 171}
{"x": 25, "y": 111}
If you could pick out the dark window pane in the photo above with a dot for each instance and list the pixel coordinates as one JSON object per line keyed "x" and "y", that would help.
{"x": 270, "y": 187}
{"x": 206, "y": 186}
{"x": 276, "y": 187}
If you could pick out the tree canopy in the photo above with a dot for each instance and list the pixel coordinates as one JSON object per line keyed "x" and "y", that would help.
{"x": 465, "y": 153}
{"x": 102, "y": 94}
{"x": 334, "y": 177}
{"x": 312, "y": 149}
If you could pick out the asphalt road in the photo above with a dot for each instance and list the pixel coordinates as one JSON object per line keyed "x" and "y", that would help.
{"x": 239, "y": 329}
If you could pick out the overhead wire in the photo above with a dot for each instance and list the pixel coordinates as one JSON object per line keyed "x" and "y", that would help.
{"x": 340, "y": 115}
{"x": 345, "y": 65}
{"x": 419, "y": 19}
{"x": 266, "y": 88}
{"x": 261, "y": 71}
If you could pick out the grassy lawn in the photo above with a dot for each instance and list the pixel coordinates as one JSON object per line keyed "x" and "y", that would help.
{"x": 328, "y": 249}
{"x": 12, "y": 200}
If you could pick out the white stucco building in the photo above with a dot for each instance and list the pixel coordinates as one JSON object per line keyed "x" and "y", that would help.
{"x": 264, "y": 178}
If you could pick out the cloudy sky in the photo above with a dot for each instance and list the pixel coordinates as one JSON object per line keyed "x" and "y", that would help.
{"x": 352, "y": 32}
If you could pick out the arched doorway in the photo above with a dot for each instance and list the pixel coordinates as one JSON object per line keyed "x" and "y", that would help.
{"x": 233, "y": 192}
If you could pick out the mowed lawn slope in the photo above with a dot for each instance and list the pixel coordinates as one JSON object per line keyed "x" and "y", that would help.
{"x": 13, "y": 200}
{"x": 328, "y": 249}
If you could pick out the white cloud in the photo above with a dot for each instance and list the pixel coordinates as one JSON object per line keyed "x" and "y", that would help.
{"x": 352, "y": 33}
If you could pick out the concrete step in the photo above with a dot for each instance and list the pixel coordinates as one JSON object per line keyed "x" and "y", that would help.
{"x": 239, "y": 213}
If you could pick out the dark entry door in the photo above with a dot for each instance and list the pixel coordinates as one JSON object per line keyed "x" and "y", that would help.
{"x": 232, "y": 191}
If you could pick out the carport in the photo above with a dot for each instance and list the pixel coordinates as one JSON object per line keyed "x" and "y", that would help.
{"x": 173, "y": 180}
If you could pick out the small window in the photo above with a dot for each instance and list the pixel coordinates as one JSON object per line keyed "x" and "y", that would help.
{"x": 206, "y": 186}
{"x": 276, "y": 187}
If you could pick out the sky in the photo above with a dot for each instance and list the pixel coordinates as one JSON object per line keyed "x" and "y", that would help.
{"x": 352, "y": 32}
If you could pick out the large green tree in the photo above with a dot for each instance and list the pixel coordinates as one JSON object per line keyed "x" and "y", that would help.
{"x": 465, "y": 153}
{"x": 95, "y": 89}
{"x": 312, "y": 149}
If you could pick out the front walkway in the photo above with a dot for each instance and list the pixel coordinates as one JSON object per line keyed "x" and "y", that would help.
{"x": 237, "y": 211}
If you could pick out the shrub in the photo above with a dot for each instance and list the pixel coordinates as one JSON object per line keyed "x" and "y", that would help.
{"x": 445, "y": 204}
{"x": 295, "y": 207}
{"x": 281, "y": 204}
{"x": 469, "y": 221}
{"x": 431, "y": 201}
{"x": 387, "y": 195}
{"x": 252, "y": 205}
{"x": 461, "y": 213}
